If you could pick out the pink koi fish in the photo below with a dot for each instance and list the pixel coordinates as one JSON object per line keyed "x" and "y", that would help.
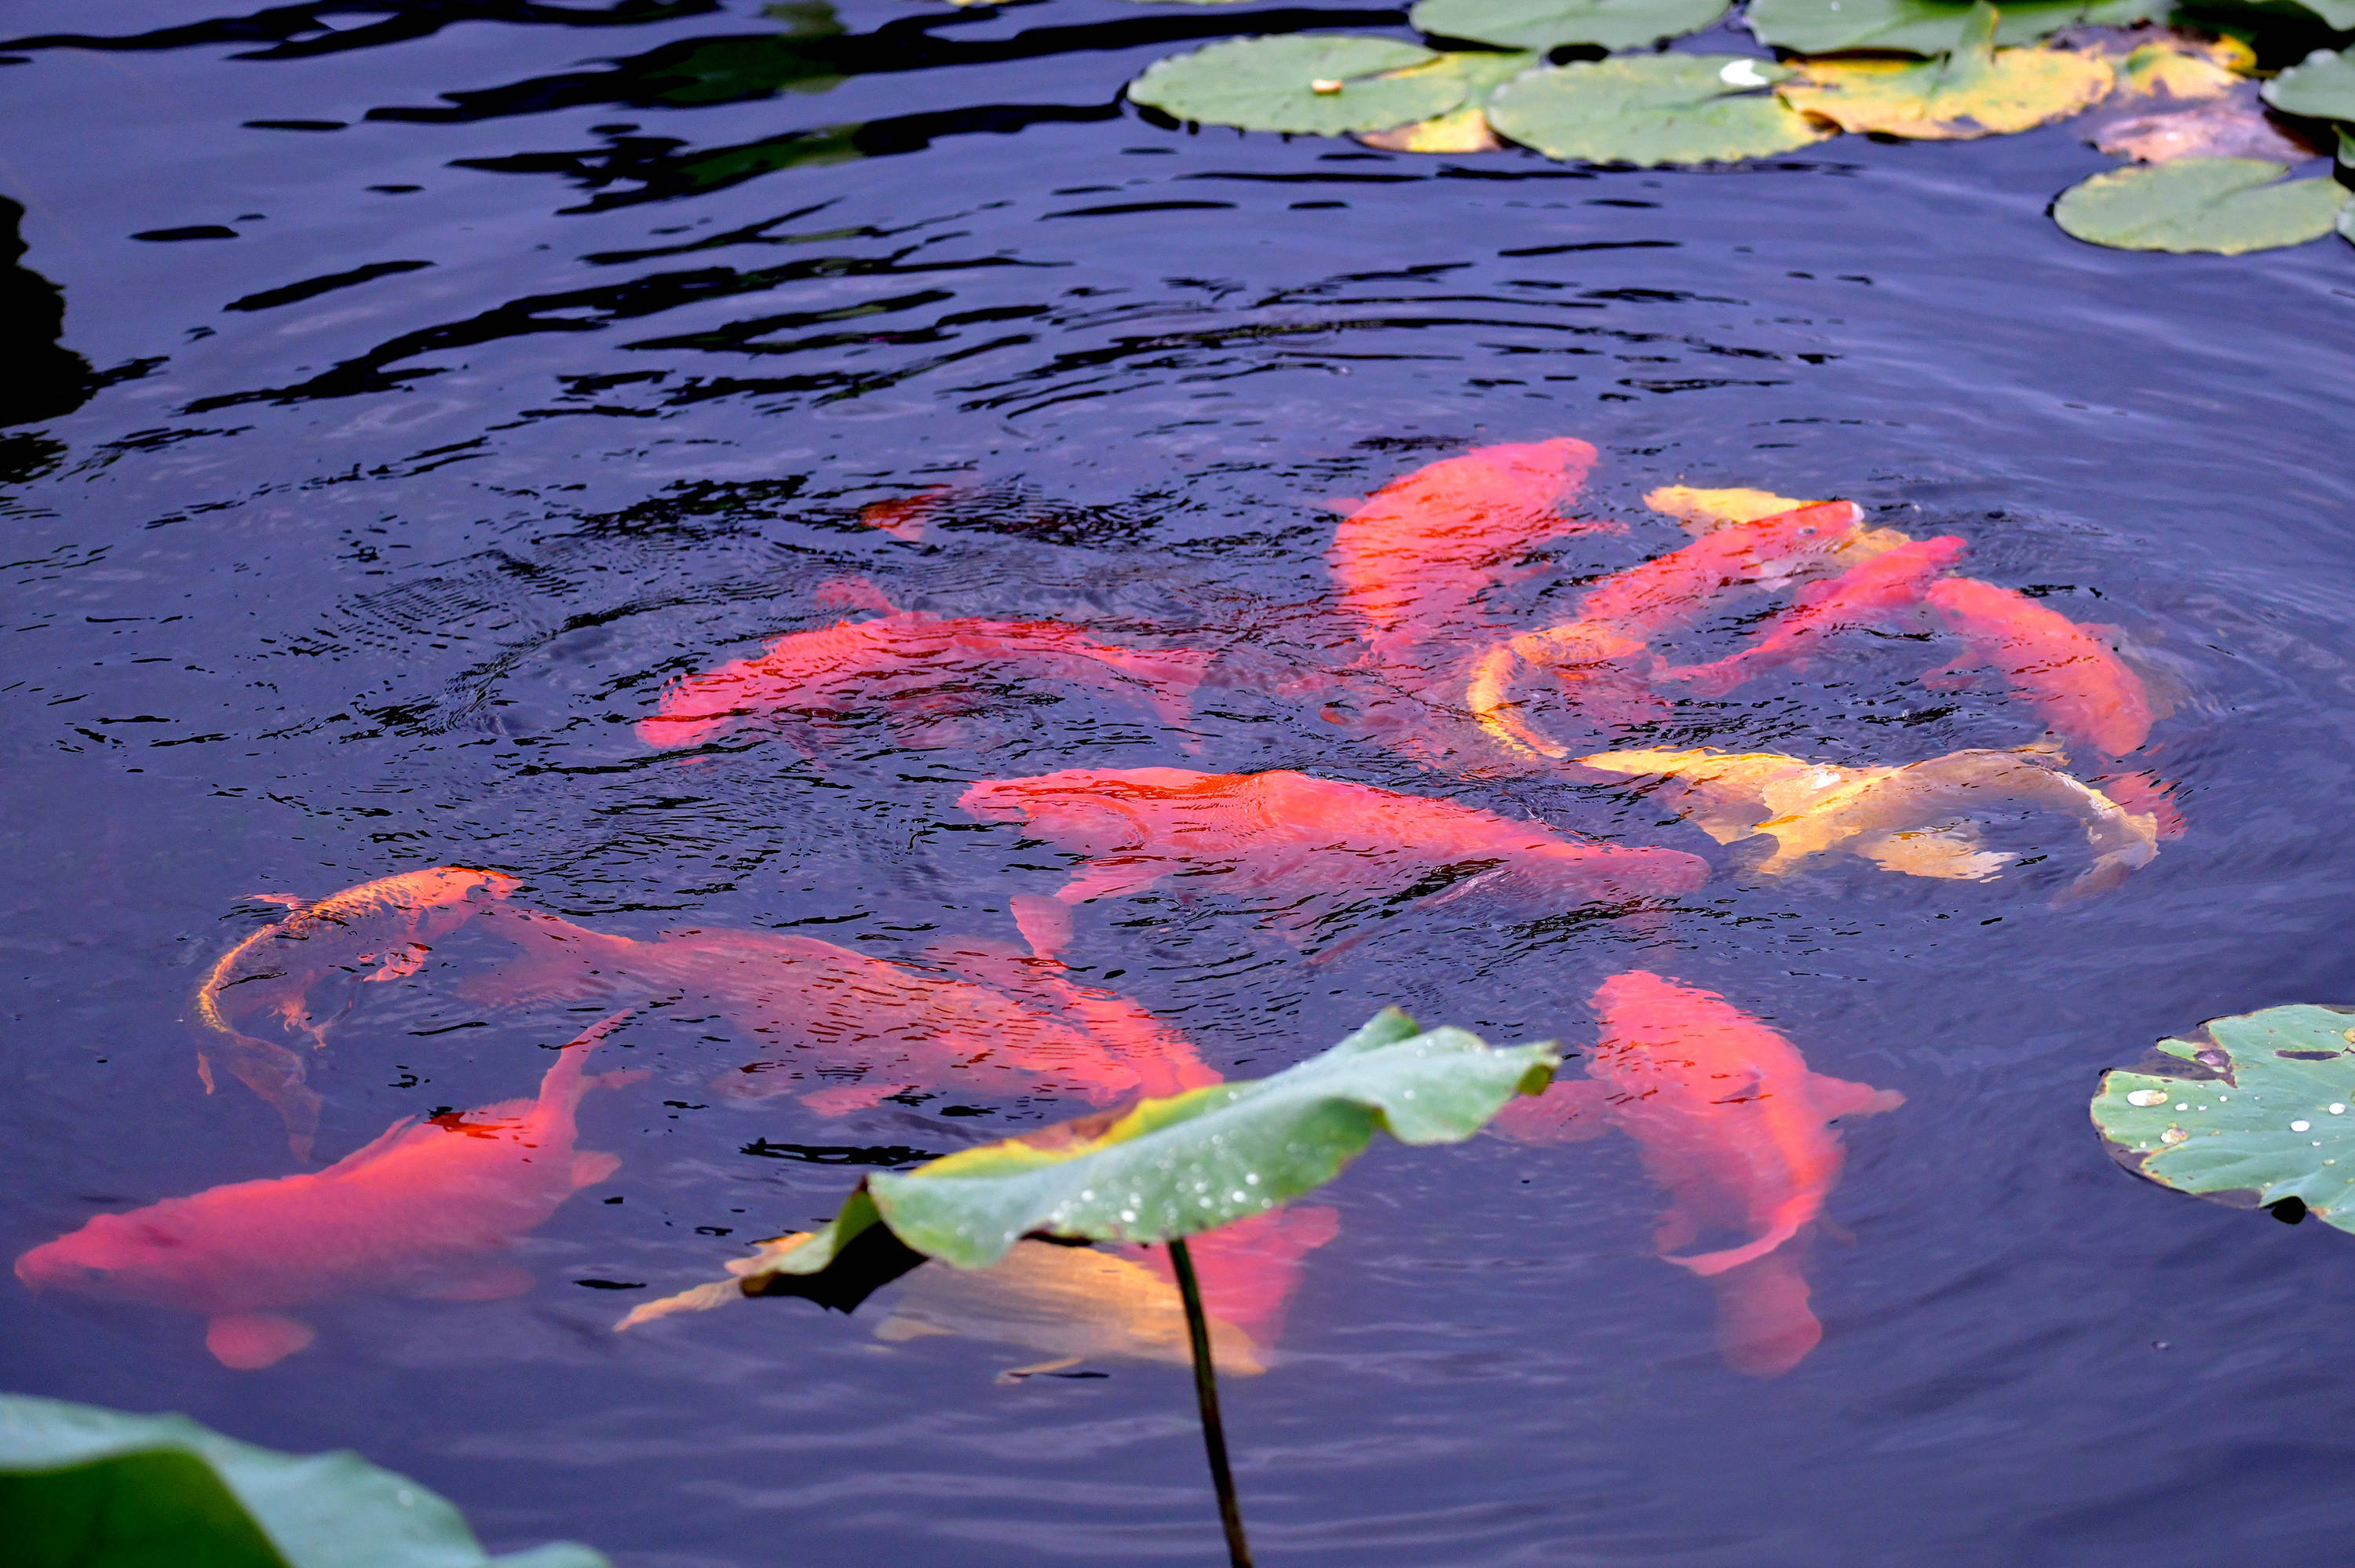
{"x": 1735, "y": 1126}
{"x": 845, "y": 1031}
{"x": 917, "y": 666}
{"x": 1298, "y": 840}
{"x": 2079, "y": 687}
{"x": 1673, "y": 591}
{"x": 380, "y": 930}
{"x": 1880, "y": 592}
{"x": 428, "y": 1209}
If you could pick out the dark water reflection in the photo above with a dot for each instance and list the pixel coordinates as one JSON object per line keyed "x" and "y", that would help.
{"x": 524, "y": 381}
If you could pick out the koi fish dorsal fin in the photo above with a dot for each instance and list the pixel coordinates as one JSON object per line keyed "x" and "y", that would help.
{"x": 1837, "y": 1098}
{"x": 377, "y": 1148}
{"x": 292, "y": 901}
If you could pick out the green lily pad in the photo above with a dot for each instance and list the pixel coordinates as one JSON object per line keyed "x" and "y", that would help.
{"x": 1166, "y": 1168}
{"x": 1653, "y": 108}
{"x": 1926, "y": 26}
{"x": 1547, "y": 24}
{"x": 2266, "y": 1106}
{"x": 2223, "y": 206}
{"x": 2321, "y": 87}
{"x": 85, "y": 1488}
{"x": 1319, "y": 84}
{"x": 2339, "y": 13}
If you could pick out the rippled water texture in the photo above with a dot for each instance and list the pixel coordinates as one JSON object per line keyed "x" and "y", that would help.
{"x": 439, "y": 381}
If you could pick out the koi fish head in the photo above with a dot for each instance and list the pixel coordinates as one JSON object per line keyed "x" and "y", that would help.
{"x": 131, "y": 1257}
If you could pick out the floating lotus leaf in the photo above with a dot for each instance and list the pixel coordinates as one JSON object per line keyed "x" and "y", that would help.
{"x": 1652, "y": 109}
{"x": 2340, "y": 13}
{"x": 1466, "y": 130}
{"x": 85, "y": 1488}
{"x": 2262, "y": 1106}
{"x": 2321, "y": 88}
{"x": 2224, "y": 206}
{"x": 1319, "y": 84}
{"x": 1547, "y": 24}
{"x": 1166, "y": 1168}
{"x": 1977, "y": 90}
{"x": 1924, "y": 27}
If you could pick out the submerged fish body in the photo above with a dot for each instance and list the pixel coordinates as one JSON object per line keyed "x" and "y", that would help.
{"x": 380, "y": 930}
{"x": 913, "y": 664}
{"x": 1915, "y": 818}
{"x": 844, "y": 1031}
{"x": 1734, "y": 1126}
{"x": 1291, "y": 840}
{"x": 428, "y": 1209}
{"x": 1413, "y": 560}
{"x": 2074, "y": 680}
{"x": 1669, "y": 592}
{"x": 1884, "y": 590}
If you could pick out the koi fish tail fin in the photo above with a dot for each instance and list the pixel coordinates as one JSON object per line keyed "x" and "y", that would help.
{"x": 1572, "y": 1110}
{"x": 851, "y": 593}
{"x": 1710, "y": 680}
{"x": 1170, "y": 676}
{"x": 2145, "y": 794}
{"x": 1045, "y": 923}
{"x": 1764, "y": 1323}
{"x": 1715, "y": 1263}
{"x": 275, "y": 1073}
{"x": 567, "y": 1081}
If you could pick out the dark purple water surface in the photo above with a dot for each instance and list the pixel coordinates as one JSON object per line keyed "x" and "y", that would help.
{"x": 556, "y": 356}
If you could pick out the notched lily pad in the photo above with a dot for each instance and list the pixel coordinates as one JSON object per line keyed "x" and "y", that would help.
{"x": 1550, "y": 24}
{"x": 1977, "y": 90}
{"x": 1315, "y": 84}
{"x": 2272, "y": 1113}
{"x": 2322, "y": 86}
{"x": 1924, "y": 27}
{"x": 2224, "y": 206}
{"x": 1464, "y": 130}
{"x": 1650, "y": 110}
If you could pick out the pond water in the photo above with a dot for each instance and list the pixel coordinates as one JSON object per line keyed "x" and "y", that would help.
{"x": 511, "y": 360}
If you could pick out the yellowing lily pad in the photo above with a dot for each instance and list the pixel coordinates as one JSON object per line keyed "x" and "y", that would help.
{"x": 2183, "y": 68}
{"x": 1319, "y": 84}
{"x": 2321, "y": 88}
{"x": 2221, "y": 206}
{"x": 1547, "y": 24}
{"x": 1926, "y": 26}
{"x": 1466, "y": 130}
{"x": 1650, "y": 110}
{"x": 1977, "y": 90}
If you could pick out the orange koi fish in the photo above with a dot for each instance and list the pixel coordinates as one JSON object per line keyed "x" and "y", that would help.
{"x": 1673, "y": 591}
{"x": 1877, "y": 592}
{"x": 2079, "y": 687}
{"x": 1303, "y": 841}
{"x": 380, "y": 930}
{"x": 428, "y": 1210}
{"x": 917, "y": 666}
{"x": 1735, "y": 1126}
{"x": 846, "y": 1031}
{"x": 1413, "y": 560}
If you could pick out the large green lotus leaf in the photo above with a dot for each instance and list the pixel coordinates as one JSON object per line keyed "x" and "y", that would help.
{"x": 1926, "y": 26}
{"x": 2224, "y": 206}
{"x": 2269, "y": 1115}
{"x": 1653, "y": 108}
{"x": 1547, "y": 24}
{"x": 2322, "y": 86}
{"x": 85, "y": 1488}
{"x": 1166, "y": 1168}
{"x": 1321, "y": 84}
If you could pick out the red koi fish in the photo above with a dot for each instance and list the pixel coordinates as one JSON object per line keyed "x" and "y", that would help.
{"x": 1737, "y": 1128}
{"x": 2081, "y": 688}
{"x": 428, "y": 1209}
{"x": 1413, "y": 560}
{"x": 1880, "y": 592}
{"x": 380, "y": 930}
{"x": 914, "y": 664}
{"x": 1673, "y": 591}
{"x": 1298, "y": 840}
{"x": 846, "y": 1031}
{"x": 1250, "y": 1269}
